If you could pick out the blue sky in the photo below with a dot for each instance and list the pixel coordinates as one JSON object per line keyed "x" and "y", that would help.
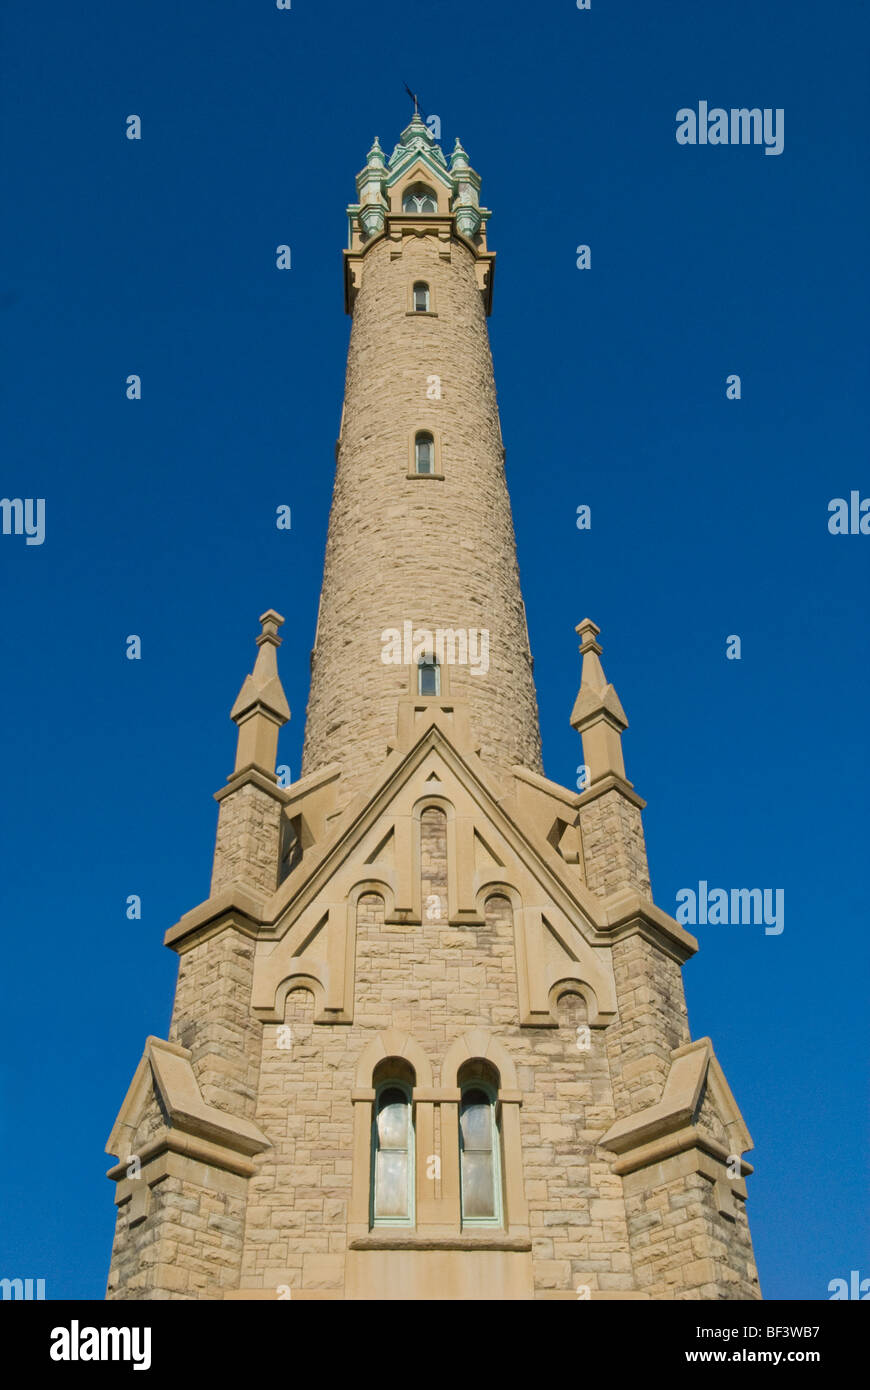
{"x": 709, "y": 517}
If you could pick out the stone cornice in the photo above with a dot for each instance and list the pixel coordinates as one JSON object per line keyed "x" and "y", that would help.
{"x": 610, "y": 783}
{"x": 190, "y": 1146}
{"x": 398, "y": 225}
{"x": 253, "y": 776}
{"x": 669, "y": 1145}
{"x": 626, "y": 912}
{"x": 237, "y": 906}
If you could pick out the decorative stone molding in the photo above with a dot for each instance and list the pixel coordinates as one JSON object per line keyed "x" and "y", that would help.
{"x": 236, "y": 906}
{"x": 478, "y": 1043}
{"x": 191, "y": 1128}
{"x": 671, "y": 1126}
{"x": 393, "y": 1044}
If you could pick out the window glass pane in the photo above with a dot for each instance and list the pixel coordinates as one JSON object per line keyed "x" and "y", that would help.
{"x": 428, "y": 679}
{"x": 420, "y": 200}
{"x": 393, "y": 1121}
{"x": 421, "y": 298}
{"x": 391, "y": 1184}
{"x": 478, "y": 1196}
{"x": 476, "y": 1121}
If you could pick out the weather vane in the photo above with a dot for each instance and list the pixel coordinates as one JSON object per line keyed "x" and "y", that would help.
{"x": 413, "y": 96}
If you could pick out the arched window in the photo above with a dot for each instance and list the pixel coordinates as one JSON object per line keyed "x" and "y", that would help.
{"x": 428, "y": 676}
{"x": 421, "y": 298}
{"x": 392, "y": 1186}
{"x": 424, "y": 452}
{"x": 479, "y": 1158}
{"x": 419, "y": 199}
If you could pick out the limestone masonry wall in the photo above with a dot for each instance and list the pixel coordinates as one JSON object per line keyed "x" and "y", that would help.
{"x": 440, "y": 554}
{"x": 246, "y": 848}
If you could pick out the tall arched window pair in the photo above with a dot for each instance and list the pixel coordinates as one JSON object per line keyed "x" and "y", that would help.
{"x": 393, "y": 1156}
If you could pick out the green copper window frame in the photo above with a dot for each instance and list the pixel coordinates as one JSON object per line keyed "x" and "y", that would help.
{"x": 409, "y": 1219}
{"x": 497, "y": 1219}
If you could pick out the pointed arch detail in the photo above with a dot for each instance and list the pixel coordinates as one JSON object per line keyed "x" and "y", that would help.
{"x": 393, "y": 1043}
{"x": 479, "y": 1043}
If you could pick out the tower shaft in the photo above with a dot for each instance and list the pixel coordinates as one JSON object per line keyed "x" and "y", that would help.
{"x": 412, "y": 552}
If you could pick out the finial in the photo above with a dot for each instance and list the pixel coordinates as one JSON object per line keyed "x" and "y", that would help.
{"x": 270, "y": 621}
{"x": 458, "y": 159}
{"x": 598, "y": 715}
{"x": 261, "y": 707}
{"x": 375, "y": 154}
{"x": 587, "y": 631}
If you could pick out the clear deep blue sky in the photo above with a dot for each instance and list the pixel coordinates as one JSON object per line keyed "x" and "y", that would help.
{"x": 709, "y": 517}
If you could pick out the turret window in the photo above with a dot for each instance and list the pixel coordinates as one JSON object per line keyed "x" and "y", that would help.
{"x": 419, "y": 199}
{"x": 421, "y": 298}
{"x": 424, "y": 452}
{"x": 428, "y": 676}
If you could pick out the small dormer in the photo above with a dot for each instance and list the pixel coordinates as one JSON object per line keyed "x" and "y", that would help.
{"x": 421, "y": 192}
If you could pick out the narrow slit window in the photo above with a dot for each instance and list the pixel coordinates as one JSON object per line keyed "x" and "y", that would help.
{"x": 424, "y": 453}
{"x": 421, "y": 298}
{"x": 428, "y": 676}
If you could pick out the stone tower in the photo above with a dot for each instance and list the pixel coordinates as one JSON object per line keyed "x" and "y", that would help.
{"x": 429, "y": 1037}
